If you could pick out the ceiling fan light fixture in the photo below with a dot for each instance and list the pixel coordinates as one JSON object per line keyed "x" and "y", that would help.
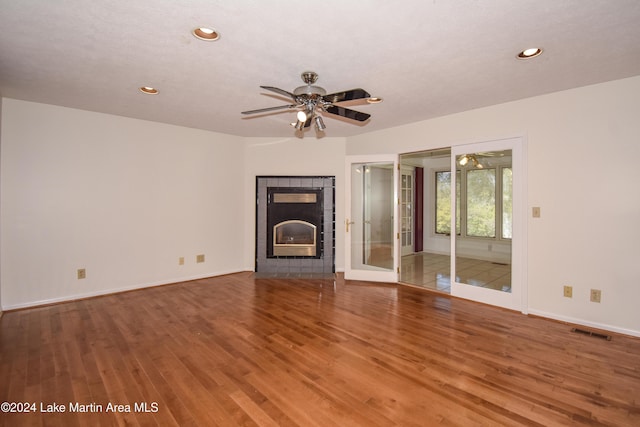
{"x": 374, "y": 100}
{"x": 320, "y": 126}
{"x": 206, "y": 34}
{"x": 149, "y": 90}
{"x": 529, "y": 53}
{"x": 302, "y": 116}
{"x": 309, "y": 90}
{"x": 310, "y": 100}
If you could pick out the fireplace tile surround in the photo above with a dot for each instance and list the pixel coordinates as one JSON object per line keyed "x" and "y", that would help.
{"x": 296, "y": 266}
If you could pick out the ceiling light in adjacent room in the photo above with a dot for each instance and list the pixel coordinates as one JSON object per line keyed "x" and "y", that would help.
{"x": 149, "y": 90}
{"x": 206, "y": 34}
{"x": 465, "y": 159}
{"x": 529, "y": 53}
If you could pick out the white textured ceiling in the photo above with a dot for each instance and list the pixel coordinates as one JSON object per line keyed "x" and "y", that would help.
{"x": 424, "y": 58}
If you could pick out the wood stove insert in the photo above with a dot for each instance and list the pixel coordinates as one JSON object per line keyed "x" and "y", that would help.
{"x": 294, "y": 221}
{"x": 289, "y": 249}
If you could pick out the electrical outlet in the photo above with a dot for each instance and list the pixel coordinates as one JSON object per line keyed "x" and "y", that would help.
{"x": 568, "y": 291}
{"x": 82, "y": 273}
{"x": 595, "y": 295}
{"x": 200, "y": 258}
{"x": 181, "y": 260}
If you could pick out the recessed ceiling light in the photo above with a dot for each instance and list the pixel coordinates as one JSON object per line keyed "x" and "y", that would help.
{"x": 149, "y": 90}
{"x": 206, "y": 34}
{"x": 529, "y": 53}
{"x": 374, "y": 100}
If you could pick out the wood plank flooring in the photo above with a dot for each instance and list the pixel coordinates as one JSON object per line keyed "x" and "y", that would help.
{"x": 236, "y": 350}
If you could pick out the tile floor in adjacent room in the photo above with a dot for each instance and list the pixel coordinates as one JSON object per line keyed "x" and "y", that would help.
{"x": 433, "y": 271}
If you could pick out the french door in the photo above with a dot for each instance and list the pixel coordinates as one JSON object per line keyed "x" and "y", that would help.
{"x": 373, "y": 221}
{"x": 490, "y": 199}
{"x": 371, "y": 239}
{"x": 407, "y": 209}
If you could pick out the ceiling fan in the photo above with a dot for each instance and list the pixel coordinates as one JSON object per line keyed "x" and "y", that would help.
{"x": 311, "y": 100}
{"x": 476, "y": 158}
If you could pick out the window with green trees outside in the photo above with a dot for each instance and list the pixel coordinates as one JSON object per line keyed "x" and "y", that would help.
{"x": 487, "y": 208}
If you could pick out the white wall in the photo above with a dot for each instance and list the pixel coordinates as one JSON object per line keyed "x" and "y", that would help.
{"x": 582, "y": 150}
{"x": 122, "y": 198}
{"x": 289, "y": 157}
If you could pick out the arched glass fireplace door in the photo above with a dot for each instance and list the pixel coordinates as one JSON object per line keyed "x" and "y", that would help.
{"x": 294, "y": 237}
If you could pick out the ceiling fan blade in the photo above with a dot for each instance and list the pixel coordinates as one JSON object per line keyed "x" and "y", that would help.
{"x": 264, "y": 110}
{"x": 280, "y": 91}
{"x": 347, "y": 95}
{"x": 348, "y": 113}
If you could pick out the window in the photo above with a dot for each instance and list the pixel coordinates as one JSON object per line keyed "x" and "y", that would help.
{"x": 481, "y": 203}
{"x": 406, "y": 208}
{"x": 443, "y": 202}
{"x": 488, "y": 197}
{"x": 507, "y": 203}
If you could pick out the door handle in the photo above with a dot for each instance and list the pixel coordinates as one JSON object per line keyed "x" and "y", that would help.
{"x": 348, "y": 223}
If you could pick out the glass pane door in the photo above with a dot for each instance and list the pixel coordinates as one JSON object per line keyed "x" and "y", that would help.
{"x": 370, "y": 227}
{"x": 488, "y": 223}
{"x": 406, "y": 210}
{"x": 483, "y": 254}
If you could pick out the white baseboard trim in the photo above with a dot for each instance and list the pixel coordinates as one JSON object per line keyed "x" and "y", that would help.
{"x": 103, "y": 292}
{"x": 583, "y": 322}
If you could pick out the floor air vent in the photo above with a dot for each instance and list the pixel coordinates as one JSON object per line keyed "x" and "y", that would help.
{"x": 591, "y": 333}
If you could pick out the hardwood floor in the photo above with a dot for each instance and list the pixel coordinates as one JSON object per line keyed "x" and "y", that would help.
{"x": 235, "y": 350}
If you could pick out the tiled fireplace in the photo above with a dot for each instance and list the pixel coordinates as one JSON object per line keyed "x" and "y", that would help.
{"x": 295, "y": 219}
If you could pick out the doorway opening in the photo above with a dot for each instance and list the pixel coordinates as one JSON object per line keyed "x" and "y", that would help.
{"x": 480, "y": 198}
{"x": 426, "y": 255}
